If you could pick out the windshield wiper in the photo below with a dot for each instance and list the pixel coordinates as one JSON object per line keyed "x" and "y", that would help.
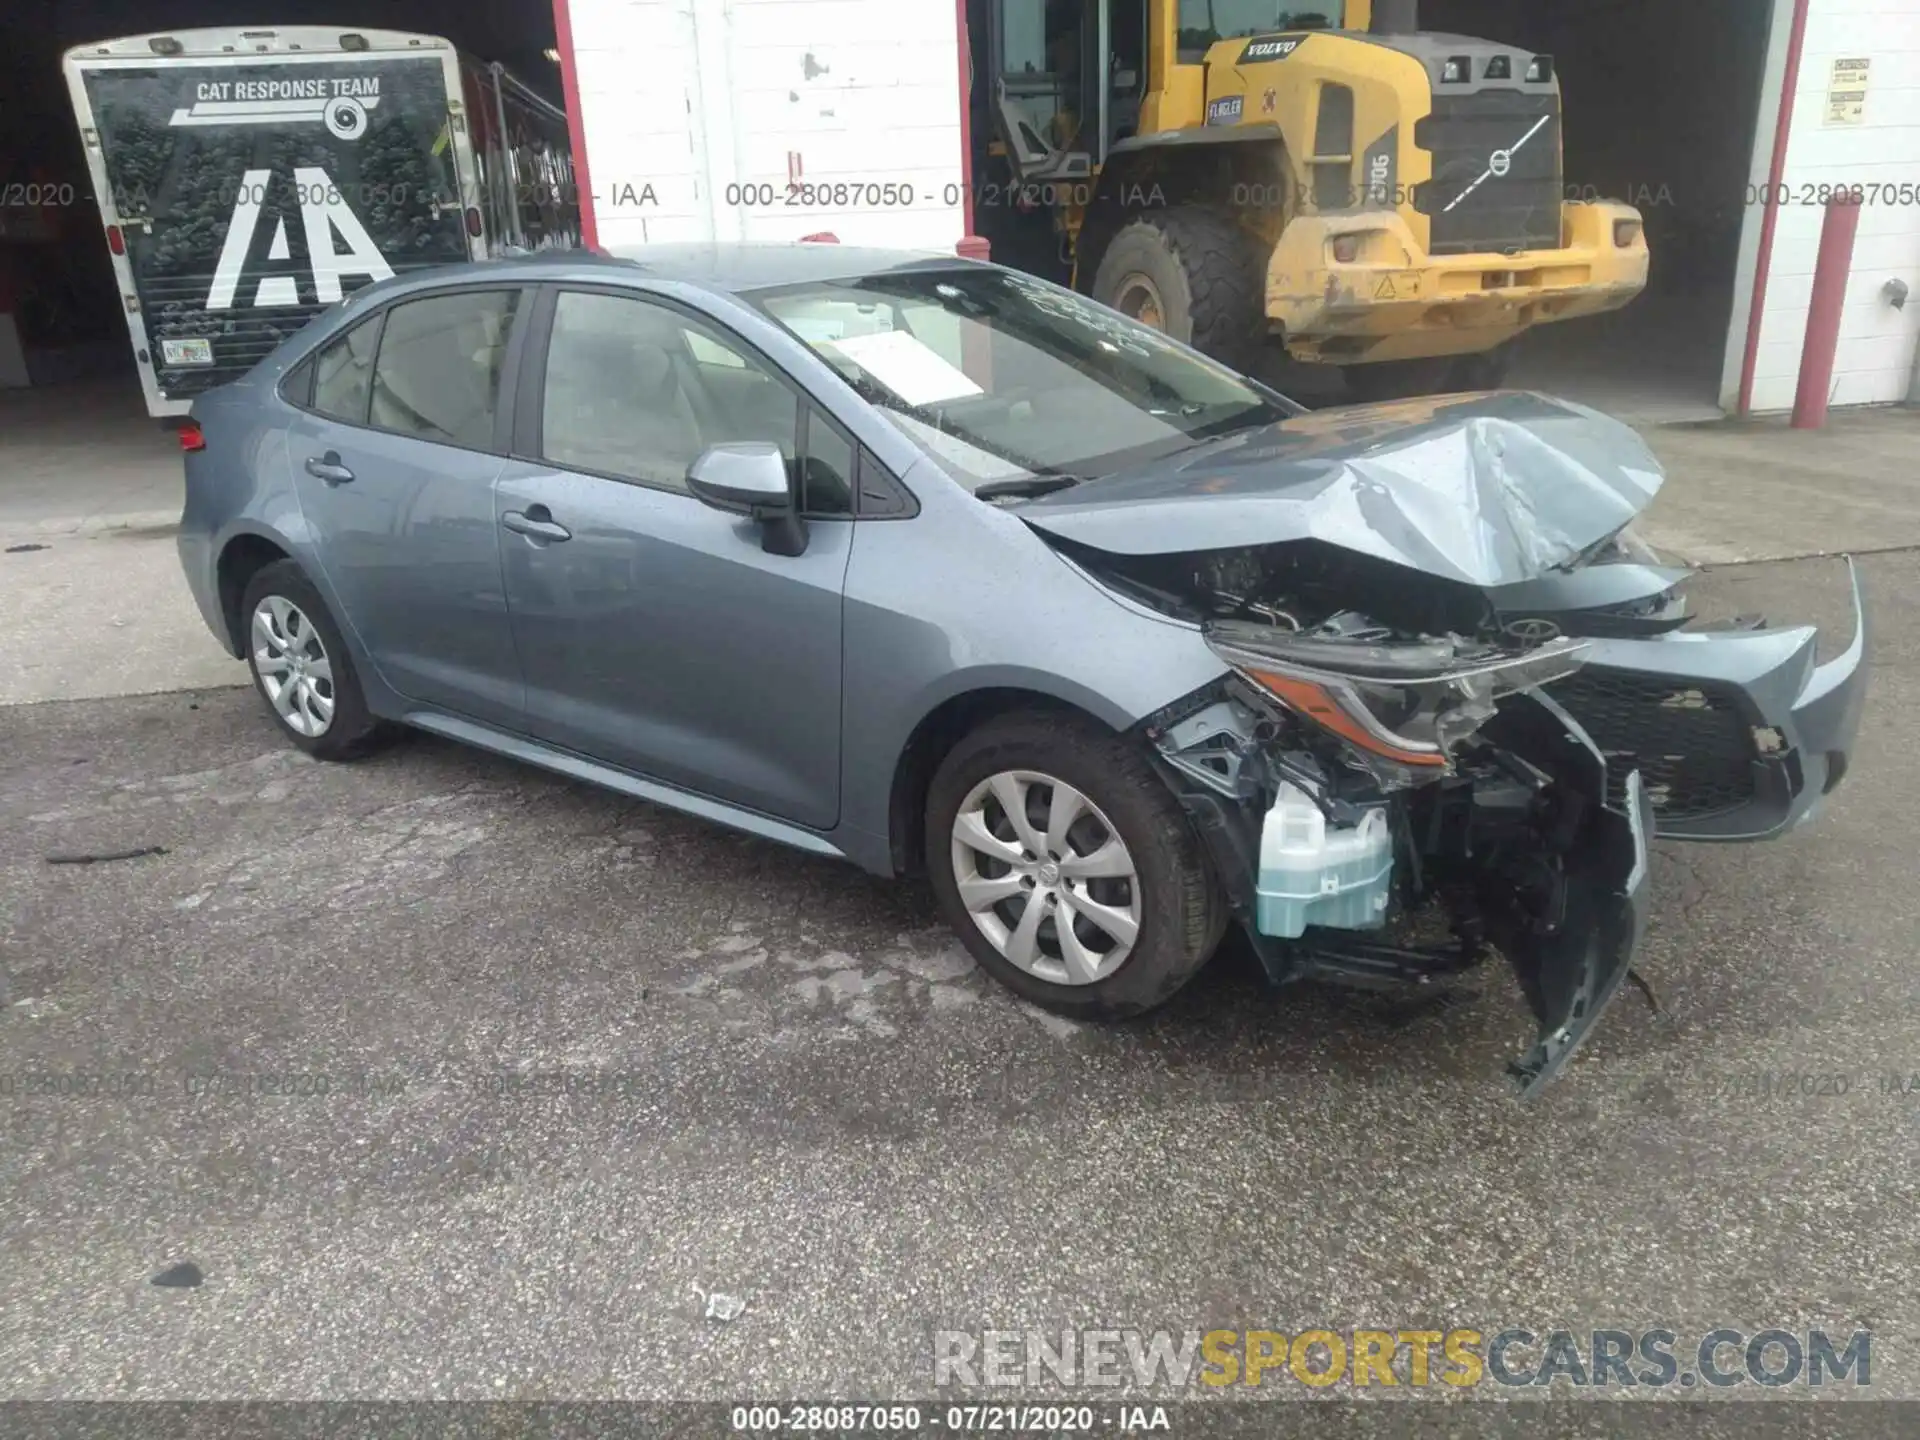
{"x": 1027, "y": 487}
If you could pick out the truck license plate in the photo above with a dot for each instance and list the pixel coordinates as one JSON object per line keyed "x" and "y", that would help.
{"x": 186, "y": 352}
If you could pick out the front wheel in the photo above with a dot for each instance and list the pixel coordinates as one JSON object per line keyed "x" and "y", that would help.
{"x": 1068, "y": 868}
{"x": 1405, "y": 379}
{"x": 1191, "y": 273}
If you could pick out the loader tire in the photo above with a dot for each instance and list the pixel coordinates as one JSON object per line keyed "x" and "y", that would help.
{"x": 1194, "y": 274}
{"x": 1397, "y": 380}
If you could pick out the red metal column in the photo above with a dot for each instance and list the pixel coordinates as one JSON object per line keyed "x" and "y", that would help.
{"x": 972, "y": 246}
{"x": 1830, "y": 274}
{"x": 576, "y": 122}
{"x": 1771, "y": 201}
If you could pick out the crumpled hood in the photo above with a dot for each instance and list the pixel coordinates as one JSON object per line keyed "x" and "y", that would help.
{"x": 1489, "y": 489}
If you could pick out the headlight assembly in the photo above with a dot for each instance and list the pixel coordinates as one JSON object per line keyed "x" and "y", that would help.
{"x": 1406, "y": 703}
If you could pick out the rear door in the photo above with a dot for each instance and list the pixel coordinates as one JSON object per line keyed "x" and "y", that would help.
{"x": 252, "y": 191}
{"x": 394, "y": 456}
{"x": 656, "y": 634}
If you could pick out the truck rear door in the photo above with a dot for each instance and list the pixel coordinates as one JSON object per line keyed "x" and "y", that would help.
{"x": 248, "y": 192}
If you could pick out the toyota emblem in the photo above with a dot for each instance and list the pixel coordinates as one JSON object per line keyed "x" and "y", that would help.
{"x": 1532, "y": 631}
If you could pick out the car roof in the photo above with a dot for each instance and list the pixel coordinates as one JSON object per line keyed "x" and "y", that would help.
{"x": 734, "y": 268}
{"x": 758, "y": 266}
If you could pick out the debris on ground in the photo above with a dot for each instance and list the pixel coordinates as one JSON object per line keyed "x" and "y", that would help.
{"x": 721, "y": 1307}
{"x": 107, "y": 858}
{"x": 184, "y": 1276}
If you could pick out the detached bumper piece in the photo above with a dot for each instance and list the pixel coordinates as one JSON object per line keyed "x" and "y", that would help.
{"x": 1568, "y": 916}
{"x": 1737, "y": 735}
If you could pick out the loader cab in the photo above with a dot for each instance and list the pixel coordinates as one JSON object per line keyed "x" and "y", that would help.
{"x": 1067, "y": 80}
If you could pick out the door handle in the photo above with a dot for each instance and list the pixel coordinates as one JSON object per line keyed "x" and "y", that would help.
{"x": 536, "y": 524}
{"x": 327, "y": 467}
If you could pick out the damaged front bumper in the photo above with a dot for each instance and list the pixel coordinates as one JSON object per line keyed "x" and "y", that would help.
{"x": 1738, "y": 735}
{"x": 1538, "y": 849}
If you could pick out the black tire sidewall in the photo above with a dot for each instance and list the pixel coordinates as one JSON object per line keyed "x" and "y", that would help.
{"x": 1140, "y": 247}
{"x": 353, "y": 725}
{"x": 1209, "y": 275}
{"x": 1180, "y": 903}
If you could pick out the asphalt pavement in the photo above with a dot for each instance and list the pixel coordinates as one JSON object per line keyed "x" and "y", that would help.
{"x": 452, "y": 1079}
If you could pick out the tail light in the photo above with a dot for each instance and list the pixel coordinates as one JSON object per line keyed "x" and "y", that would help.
{"x": 820, "y": 237}
{"x": 116, "y": 242}
{"x": 1625, "y": 233}
{"x": 473, "y": 222}
{"x": 192, "y": 437}
{"x": 1346, "y": 248}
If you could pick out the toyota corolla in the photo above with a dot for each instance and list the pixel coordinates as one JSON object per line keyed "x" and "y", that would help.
{"x": 933, "y": 566}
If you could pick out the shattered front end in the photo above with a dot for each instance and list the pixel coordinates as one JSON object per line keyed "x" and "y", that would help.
{"x": 1460, "y": 696}
{"x": 1489, "y": 799}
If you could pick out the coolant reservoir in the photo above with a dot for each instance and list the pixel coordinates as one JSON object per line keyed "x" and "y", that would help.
{"x": 1311, "y": 874}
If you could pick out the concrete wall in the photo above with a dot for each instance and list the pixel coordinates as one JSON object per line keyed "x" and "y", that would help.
{"x": 1877, "y": 342}
{"x": 681, "y": 99}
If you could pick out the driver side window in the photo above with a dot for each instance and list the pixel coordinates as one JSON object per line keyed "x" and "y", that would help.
{"x": 636, "y": 391}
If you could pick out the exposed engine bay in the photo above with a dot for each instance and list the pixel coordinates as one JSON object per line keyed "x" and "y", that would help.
{"x": 1460, "y": 812}
{"x": 1459, "y": 696}
{"x": 1395, "y": 794}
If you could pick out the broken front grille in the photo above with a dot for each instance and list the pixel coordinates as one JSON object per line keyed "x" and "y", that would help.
{"x": 1690, "y": 742}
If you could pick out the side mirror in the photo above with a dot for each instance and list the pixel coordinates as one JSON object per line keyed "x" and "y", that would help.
{"x": 750, "y": 478}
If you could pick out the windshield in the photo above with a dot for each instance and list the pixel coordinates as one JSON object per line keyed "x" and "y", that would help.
{"x": 1206, "y": 22}
{"x": 999, "y": 375}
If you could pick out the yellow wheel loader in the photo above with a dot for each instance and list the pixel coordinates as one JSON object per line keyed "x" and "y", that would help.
{"x": 1372, "y": 196}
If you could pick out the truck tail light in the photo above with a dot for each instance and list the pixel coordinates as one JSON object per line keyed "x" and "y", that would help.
{"x": 820, "y": 237}
{"x": 192, "y": 437}
{"x": 116, "y": 242}
{"x": 1346, "y": 248}
{"x": 473, "y": 222}
{"x": 1625, "y": 232}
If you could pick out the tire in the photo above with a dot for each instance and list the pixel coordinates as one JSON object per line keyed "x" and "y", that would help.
{"x": 1172, "y": 892}
{"x": 1203, "y": 275}
{"x": 287, "y": 624}
{"x": 1485, "y": 371}
{"x": 1396, "y": 380}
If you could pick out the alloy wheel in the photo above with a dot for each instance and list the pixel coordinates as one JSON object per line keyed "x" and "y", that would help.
{"x": 1046, "y": 877}
{"x": 295, "y": 672}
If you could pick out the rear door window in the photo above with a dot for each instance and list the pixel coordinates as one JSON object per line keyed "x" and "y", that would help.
{"x": 440, "y": 366}
{"x": 343, "y": 374}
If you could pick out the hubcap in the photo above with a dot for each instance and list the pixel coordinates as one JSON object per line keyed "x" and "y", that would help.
{"x": 295, "y": 674}
{"x": 1046, "y": 877}
{"x": 1139, "y": 299}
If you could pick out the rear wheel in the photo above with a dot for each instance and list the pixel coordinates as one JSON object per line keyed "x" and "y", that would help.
{"x": 1067, "y": 867}
{"x": 1192, "y": 274}
{"x": 301, "y": 666}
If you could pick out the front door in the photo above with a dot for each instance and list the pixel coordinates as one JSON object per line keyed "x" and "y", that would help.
{"x": 655, "y": 633}
{"x": 395, "y": 460}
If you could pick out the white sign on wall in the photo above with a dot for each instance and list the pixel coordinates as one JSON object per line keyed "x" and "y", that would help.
{"x": 1847, "y": 93}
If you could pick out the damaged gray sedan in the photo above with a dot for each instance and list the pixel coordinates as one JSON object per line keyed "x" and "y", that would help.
{"x": 936, "y": 567}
